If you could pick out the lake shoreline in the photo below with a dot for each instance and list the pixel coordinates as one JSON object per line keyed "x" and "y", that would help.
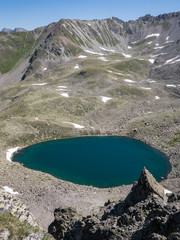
{"x": 42, "y": 193}
{"x": 85, "y": 144}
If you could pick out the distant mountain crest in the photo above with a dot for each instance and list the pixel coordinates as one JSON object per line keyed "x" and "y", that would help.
{"x": 8, "y": 30}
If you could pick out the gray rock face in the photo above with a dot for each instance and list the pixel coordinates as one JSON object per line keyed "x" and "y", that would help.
{"x": 153, "y": 36}
{"x": 34, "y": 236}
{"x": 5, "y": 235}
{"x": 146, "y": 185}
{"x": 150, "y": 217}
{"x": 11, "y": 204}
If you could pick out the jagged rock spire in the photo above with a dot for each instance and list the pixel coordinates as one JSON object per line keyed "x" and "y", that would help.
{"x": 146, "y": 185}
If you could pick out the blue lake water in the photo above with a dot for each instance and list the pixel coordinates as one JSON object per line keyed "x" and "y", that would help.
{"x": 97, "y": 161}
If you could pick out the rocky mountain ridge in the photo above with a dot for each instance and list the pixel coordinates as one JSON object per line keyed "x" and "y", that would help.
{"x": 94, "y": 78}
{"x": 9, "y": 30}
{"x": 146, "y": 213}
{"x": 146, "y": 36}
{"x": 66, "y": 40}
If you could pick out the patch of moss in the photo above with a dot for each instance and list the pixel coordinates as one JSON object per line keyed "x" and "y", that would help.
{"x": 176, "y": 165}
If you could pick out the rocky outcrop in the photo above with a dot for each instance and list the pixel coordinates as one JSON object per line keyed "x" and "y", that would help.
{"x": 11, "y": 204}
{"x": 146, "y": 186}
{"x": 16, "y": 221}
{"x": 145, "y": 214}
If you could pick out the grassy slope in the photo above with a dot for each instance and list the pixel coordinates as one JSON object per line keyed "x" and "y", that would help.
{"x": 22, "y": 104}
{"x": 13, "y": 47}
{"x": 17, "y": 230}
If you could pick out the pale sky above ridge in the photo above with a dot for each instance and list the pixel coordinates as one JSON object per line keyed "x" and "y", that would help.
{"x": 31, "y": 14}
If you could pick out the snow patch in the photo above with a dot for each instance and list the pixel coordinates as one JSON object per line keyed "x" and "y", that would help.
{"x": 120, "y": 74}
{"x": 145, "y": 88}
{"x": 107, "y": 50}
{"x": 134, "y": 42}
{"x": 158, "y": 55}
{"x": 178, "y": 60}
{"x": 157, "y": 44}
{"x": 10, "y": 190}
{"x": 76, "y": 67}
{"x": 152, "y": 35}
{"x": 171, "y": 85}
{"x": 82, "y": 56}
{"x": 65, "y": 94}
{"x": 105, "y": 99}
{"x": 157, "y": 98}
{"x": 129, "y": 81}
{"x": 45, "y": 69}
{"x": 96, "y": 53}
{"x": 89, "y": 24}
{"x": 129, "y": 47}
{"x": 36, "y": 118}
{"x": 126, "y": 55}
{"x": 171, "y": 60}
{"x": 167, "y": 38}
{"x": 166, "y": 191}
{"x": 149, "y": 43}
{"x": 62, "y": 87}
{"x": 160, "y": 47}
{"x": 168, "y": 42}
{"x": 10, "y": 153}
{"x": 39, "y": 84}
{"x": 75, "y": 125}
{"x": 103, "y": 59}
{"x": 151, "y": 60}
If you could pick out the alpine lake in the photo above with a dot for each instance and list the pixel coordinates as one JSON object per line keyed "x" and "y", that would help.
{"x": 98, "y": 161}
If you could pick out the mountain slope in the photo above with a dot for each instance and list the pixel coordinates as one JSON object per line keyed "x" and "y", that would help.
{"x": 88, "y": 78}
{"x": 156, "y": 38}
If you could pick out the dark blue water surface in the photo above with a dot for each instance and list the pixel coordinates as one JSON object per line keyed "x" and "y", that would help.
{"x": 97, "y": 161}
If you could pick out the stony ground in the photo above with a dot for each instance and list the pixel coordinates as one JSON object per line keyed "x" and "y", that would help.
{"x": 31, "y": 113}
{"x": 43, "y": 193}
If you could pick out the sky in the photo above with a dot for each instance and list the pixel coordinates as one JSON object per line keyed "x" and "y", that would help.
{"x": 31, "y": 14}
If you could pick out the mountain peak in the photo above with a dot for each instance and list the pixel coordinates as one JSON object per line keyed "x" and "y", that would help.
{"x": 9, "y": 30}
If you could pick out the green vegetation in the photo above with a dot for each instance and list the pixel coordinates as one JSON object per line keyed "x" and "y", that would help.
{"x": 176, "y": 139}
{"x": 149, "y": 39}
{"x": 13, "y": 47}
{"x": 75, "y": 39}
{"x": 166, "y": 25}
{"x": 18, "y": 230}
{"x": 138, "y": 68}
{"x": 144, "y": 214}
{"x": 72, "y": 50}
{"x": 175, "y": 165}
{"x": 125, "y": 90}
